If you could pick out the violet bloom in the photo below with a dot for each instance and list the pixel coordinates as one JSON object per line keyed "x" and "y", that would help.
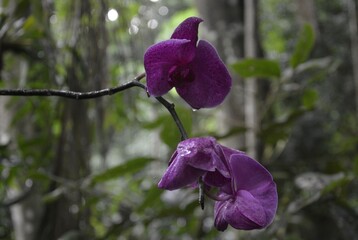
{"x": 196, "y": 157}
{"x": 194, "y": 69}
{"x": 251, "y": 200}
{"x": 247, "y": 195}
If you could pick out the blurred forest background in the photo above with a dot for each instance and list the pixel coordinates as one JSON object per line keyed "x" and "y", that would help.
{"x": 89, "y": 169}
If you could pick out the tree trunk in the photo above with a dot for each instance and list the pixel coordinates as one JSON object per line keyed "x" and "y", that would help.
{"x": 306, "y": 13}
{"x": 353, "y": 33}
{"x": 224, "y": 21}
{"x": 67, "y": 215}
{"x": 251, "y": 119}
{"x": 24, "y": 203}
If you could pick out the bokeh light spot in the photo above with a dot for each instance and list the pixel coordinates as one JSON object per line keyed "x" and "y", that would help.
{"x": 112, "y": 15}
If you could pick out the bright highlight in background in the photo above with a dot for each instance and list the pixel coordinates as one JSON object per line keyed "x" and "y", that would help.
{"x": 112, "y": 15}
{"x": 152, "y": 24}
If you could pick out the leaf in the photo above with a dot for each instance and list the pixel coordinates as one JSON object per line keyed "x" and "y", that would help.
{"x": 156, "y": 123}
{"x": 355, "y": 166}
{"x": 129, "y": 167}
{"x": 170, "y": 133}
{"x": 29, "y": 23}
{"x": 257, "y": 68}
{"x": 309, "y": 98}
{"x": 280, "y": 128}
{"x": 38, "y": 175}
{"x": 152, "y": 196}
{"x": 340, "y": 182}
{"x": 303, "y": 46}
{"x": 231, "y": 132}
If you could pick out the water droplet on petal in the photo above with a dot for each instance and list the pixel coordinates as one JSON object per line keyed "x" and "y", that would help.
{"x": 184, "y": 152}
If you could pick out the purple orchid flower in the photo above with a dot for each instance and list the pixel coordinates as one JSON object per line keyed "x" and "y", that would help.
{"x": 247, "y": 195}
{"x": 194, "y": 69}
{"x": 196, "y": 157}
{"x": 251, "y": 200}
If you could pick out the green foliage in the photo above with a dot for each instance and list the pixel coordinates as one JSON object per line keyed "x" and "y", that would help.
{"x": 152, "y": 196}
{"x": 169, "y": 133}
{"x": 275, "y": 25}
{"x": 130, "y": 167}
{"x": 257, "y": 68}
{"x": 314, "y": 162}
{"x": 280, "y": 129}
{"x": 309, "y": 99}
{"x": 303, "y": 46}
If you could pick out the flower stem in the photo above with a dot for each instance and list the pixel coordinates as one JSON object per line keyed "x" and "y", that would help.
{"x": 201, "y": 193}
{"x": 171, "y": 109}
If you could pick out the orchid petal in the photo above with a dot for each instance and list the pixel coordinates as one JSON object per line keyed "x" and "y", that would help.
{"x": 212, "y": 80}
{"x": 193, "y": 158}
{"x": 188, "y": 29}
{"x": 179, "y": 174}
{"x": 216, "y": 179}
{"x": 200, "y": 152}
{"x": 160, "y": 58}
{"x": 219, "y": 213}
{"x": 252, "y": 177}
{"x": 246, "y": 212}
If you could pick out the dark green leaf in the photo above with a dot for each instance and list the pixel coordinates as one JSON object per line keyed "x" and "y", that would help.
{"x": 39, "y": 175}
{"x": 170, "y": 133}
{"x": 303, "y": 46}
{"x": 152, "y": 196}
{"x": 355, "y": 166}
{"x": 132, "y": 166}
{"x": 156, "y": 123}
{"x": 257, "y": 68}
{"x": 279, "y": 129}
{"x": 309, "y": 99}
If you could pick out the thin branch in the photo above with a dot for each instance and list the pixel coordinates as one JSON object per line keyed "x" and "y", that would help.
{"x": 72, "y": 94}
{"x": 201, "y": 193}
{"x": 104, "y": 92}
{"x": 171, "y": 109}
{"x": 96, "y": 94}
{"x": 21, "y": 197}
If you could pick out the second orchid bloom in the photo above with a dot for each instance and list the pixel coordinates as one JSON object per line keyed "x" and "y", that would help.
{"x": 247, "y": 195}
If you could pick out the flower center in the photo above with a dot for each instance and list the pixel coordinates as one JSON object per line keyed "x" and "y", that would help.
{"x": 179, "y": 75}
{"x": 216, "y": 197}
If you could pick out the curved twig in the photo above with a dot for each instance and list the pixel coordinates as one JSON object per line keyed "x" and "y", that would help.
{"x": 96, "y": 94}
